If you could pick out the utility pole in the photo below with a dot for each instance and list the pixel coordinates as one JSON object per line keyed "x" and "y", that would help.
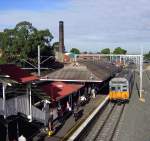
{"x": 141, "y": 76}
{"x": 39, "y": 70}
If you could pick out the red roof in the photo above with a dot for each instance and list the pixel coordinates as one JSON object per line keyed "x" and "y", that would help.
{"x": 16, "y": 73}
{"x": 58, "y": 90}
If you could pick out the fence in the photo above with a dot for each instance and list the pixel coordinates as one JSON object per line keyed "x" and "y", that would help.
{"x": 39, "y": 115}
{"x": 20, "y": 104}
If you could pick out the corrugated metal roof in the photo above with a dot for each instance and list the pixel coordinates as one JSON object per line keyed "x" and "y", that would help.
{"x": 85, "y": 72}
{"x": 74, "y": 74}
{"x": 58, "y": 90}
{"x": 101, "y": 69}
{"x": 17, "y": 74}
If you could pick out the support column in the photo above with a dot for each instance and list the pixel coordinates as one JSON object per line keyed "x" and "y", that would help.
{"x": 99, "y": 57}
{"x": 124, "y": 60}
{"x": 137, "y": 61}
{"x": 39, "y": 70}
{"x": 4, "y": 99}
{"x": 30, "y": 103}
{"x": 75, "y": 58}
{"x": 141, "y": 76}
{"x": 120, "y": 59}
{"x": 111, "y": 59}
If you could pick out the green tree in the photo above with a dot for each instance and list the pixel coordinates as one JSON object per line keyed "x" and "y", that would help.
{"x": 56, "y": 46}
{"x": 75, "y": 51}
{"x": 105, "y": 51}
{"x": 119, "y": 50}
{"x": 147, "y": 56}
{"x": 23, "y": 40}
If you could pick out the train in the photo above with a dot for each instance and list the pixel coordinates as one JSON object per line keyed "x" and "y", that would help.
{"x": 120, "y": 87}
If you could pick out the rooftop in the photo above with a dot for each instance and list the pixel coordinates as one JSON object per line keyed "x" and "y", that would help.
{"x": 58, "y": 90}
{"x": 82, "y": 72}
{"x": 15, "y": 73}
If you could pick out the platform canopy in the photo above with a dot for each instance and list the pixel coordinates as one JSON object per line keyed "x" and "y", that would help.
{"x": 102, "y": 69}
{"x": 59, "y": 90}
{"x": 86, "y": 71}
{"x": 73, "y": 74}
{"x": 15, "y": 73}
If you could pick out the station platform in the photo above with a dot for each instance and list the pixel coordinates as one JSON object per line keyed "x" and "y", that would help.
{"x": 135, "y": 125}
{"x": 71, "y": 125}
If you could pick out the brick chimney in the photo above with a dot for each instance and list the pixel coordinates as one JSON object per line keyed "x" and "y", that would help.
{"x": 61, "y": 37}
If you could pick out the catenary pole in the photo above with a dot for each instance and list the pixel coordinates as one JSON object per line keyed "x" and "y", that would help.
{"x": 141, "y": 73}
{"x": 39, "y": 71}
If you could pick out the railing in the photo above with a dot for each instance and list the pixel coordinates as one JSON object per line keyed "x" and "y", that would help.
{"x": 20, "y": 104}
{"x": 16, "y": 105}
{"x": 23, "y": 104}
{"x": 11, "y": 107}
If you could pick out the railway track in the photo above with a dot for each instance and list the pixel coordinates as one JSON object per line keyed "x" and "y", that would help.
{"x": 106, "y": 126}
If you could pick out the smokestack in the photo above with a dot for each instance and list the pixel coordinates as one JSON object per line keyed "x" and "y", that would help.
{"x": 61, "y": 37}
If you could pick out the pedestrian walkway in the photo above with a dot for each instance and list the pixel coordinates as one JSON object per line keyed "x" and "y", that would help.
{"x": 70, "y": 124}
{"x": 136, "y": 119}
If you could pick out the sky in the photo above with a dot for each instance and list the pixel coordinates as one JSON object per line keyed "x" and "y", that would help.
{"x": 89, "y": 25}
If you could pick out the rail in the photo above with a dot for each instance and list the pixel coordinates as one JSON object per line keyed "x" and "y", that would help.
{"x": 77, "y": 133}
{"x": 106, "y": 127}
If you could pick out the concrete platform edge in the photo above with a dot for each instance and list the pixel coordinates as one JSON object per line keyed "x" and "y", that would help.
{"x": 87, "y": 121}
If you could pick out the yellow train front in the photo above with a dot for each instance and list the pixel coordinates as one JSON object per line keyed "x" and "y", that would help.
{"x": 119, "y": 89}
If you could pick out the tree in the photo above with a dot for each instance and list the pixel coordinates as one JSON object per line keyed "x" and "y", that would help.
{"x": 75, "y": 51}
{"x": 105, "y": 51}
{"x": 119, "y": 50}
{"x": 56, "y": 46}
{"x": 23, "y": 40}
{"x": 147, "y": 56}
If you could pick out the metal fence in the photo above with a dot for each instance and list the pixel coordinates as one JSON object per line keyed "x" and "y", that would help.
{"x": 20, "y": 104}
{"x": 23, "y": 104}
{"x": 16, "y": 105}
{"x": 39, "y": 115}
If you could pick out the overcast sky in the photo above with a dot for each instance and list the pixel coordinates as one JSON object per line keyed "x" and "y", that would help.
{"x": 90, "y": 25}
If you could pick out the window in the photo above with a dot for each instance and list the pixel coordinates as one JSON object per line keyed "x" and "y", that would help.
{"x": 113, "y": 88}
{"x": 118, "y": 88}
{"x": 124, "y": 88}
